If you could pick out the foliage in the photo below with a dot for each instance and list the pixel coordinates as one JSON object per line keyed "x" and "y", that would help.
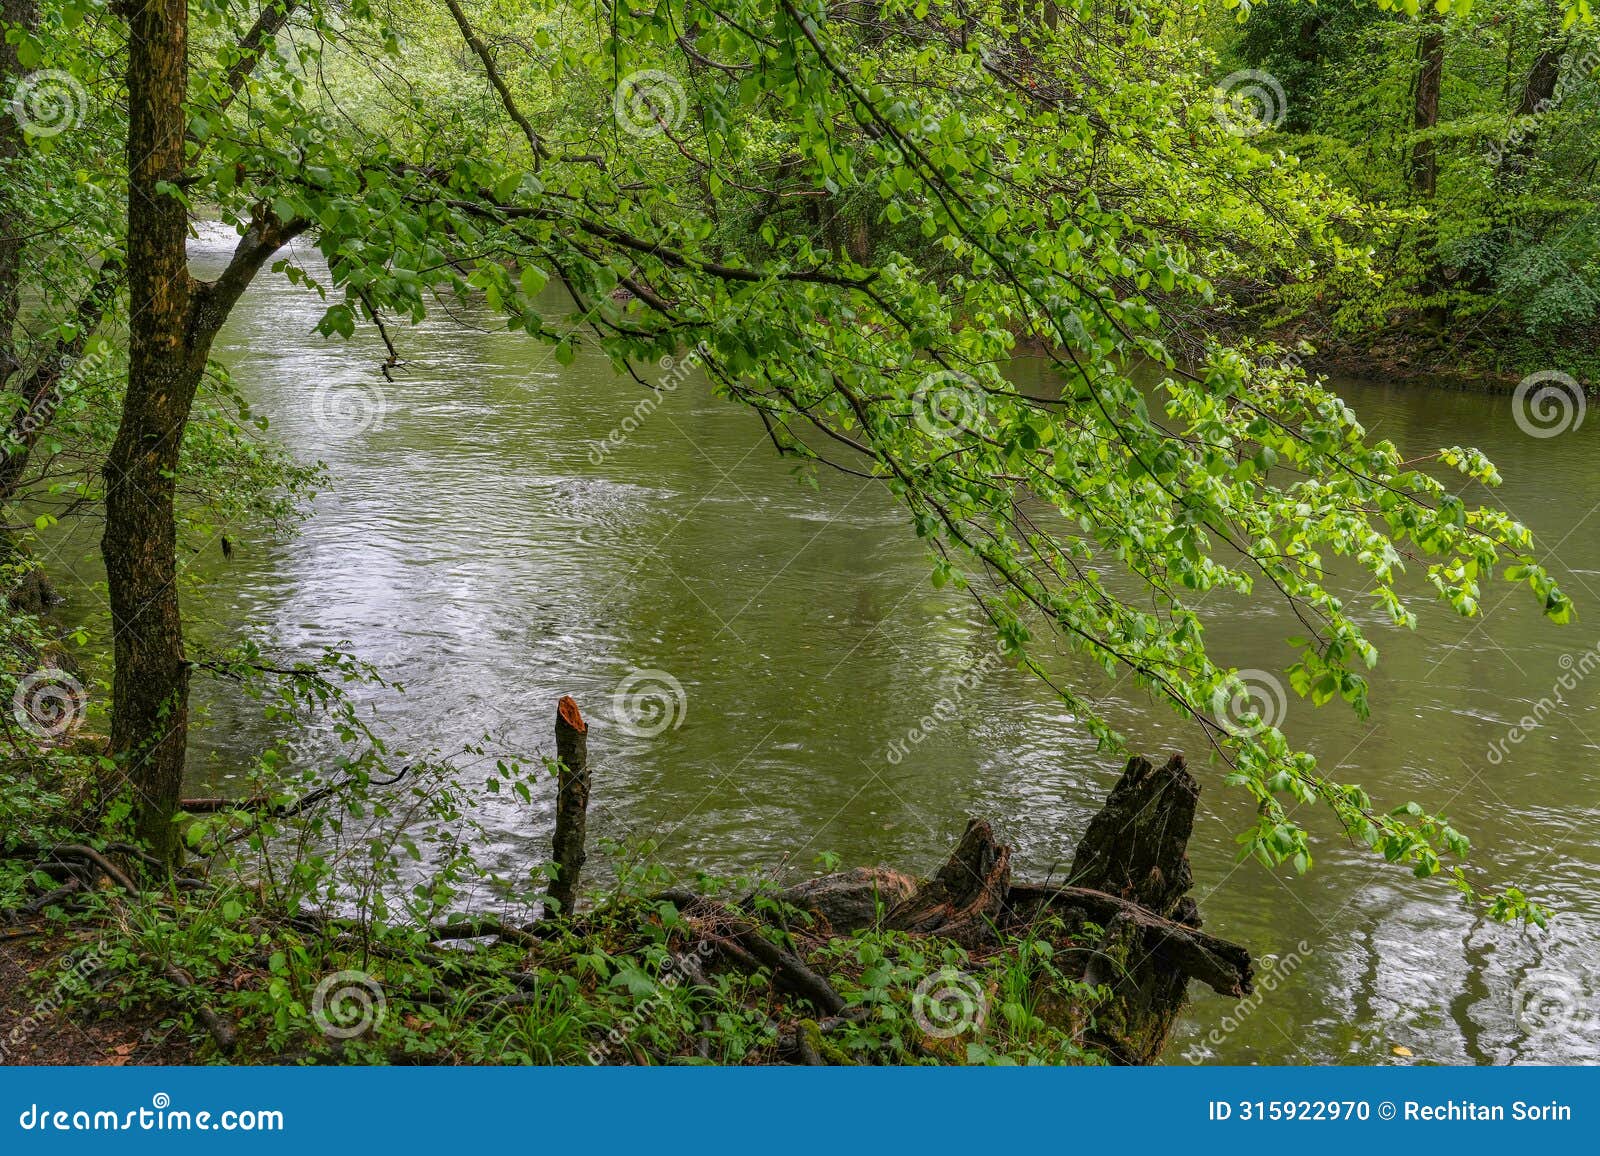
{"x": 1499, "y": 265}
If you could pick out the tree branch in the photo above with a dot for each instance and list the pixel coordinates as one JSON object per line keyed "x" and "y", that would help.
{"x": 506, "y": 99}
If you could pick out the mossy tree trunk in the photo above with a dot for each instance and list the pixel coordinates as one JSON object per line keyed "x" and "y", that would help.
{"x": 173, "y": 320}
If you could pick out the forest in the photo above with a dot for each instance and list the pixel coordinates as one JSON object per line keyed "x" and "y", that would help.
{"x": 693, "y": 533}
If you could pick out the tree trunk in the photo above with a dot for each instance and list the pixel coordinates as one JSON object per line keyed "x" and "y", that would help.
{"x": 173, "y": 320}
{"x": 1538, "y": 96}
{"x": 1425, "y": 112}
{"x": 150, "y": 690}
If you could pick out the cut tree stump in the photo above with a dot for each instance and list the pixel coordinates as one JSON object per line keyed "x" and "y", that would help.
{"x": 1123, "y": 920}
{"x": 1125, "y": 908}
{"x": 572, "y": 807}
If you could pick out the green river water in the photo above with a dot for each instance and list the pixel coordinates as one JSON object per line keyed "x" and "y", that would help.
{"x": 475, "y": 542}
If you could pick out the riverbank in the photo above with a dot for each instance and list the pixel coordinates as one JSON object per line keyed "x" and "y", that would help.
{"x": 1427, "y": 365}
{"x": 868, "y": 966}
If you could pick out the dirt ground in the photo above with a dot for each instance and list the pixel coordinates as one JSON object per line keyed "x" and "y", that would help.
{"x": 36, "y": 972}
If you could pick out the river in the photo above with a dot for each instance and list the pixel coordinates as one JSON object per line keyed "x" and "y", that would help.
{"x": 475, "y": 542}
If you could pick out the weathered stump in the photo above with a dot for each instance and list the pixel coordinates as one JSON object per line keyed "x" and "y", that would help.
{"x": 1125, "y": 908}
{"x": 1136, "y": 848}
{"x": 966, "y": 900}
{"x": 572, "y": 807}
{"x": 1131, "y": 877}
{"x": 1124, "y": 911}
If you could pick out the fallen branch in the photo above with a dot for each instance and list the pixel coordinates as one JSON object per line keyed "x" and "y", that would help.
{"x": 481, "y": 928}
{"x": 221, "y": 1031}
{"x": 1222, "y": 965}
{"x": 284, "y": 810}
{"x": 788, "y": 970}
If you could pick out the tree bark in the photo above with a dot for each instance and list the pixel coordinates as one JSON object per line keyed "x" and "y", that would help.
{"x": 572, "y": 805}
{"x": 967, "y": 898}
{"x": 1538, "y": 95}
{"x": 1425, "y": 109}
{"x": 149, "y": 721}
